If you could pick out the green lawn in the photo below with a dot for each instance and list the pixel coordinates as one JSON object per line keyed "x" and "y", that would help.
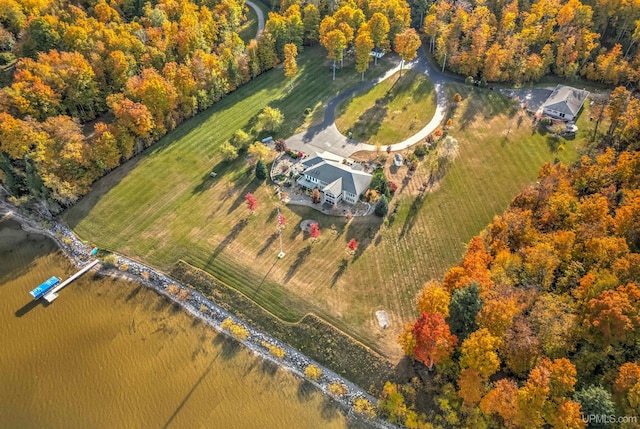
{"x": 163, "y": 207}
{"x": 389, "y": 112}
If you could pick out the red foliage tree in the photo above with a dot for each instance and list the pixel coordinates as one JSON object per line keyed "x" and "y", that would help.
{"x": 434, "y": 341}
{"x": 314, "y": 231}
{"x": 252, "y": 203}
{"x": 353, "y": 245}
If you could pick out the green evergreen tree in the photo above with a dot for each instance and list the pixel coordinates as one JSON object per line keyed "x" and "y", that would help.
{"x": 465, "y": 305}
{"x": 382, "y": 207}
{"x": 261, "y": 170}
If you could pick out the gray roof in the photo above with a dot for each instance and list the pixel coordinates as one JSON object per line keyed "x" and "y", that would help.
{"x": 334, "y": 187}
{"x": 338, "y": 176}
{"x": 565, "y": 99}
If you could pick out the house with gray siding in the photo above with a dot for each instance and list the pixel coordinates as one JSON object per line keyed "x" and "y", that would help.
{"x": 564, "y": 103}
{"x": 336, "y": 178}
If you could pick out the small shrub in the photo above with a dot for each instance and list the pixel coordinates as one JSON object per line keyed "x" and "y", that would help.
{"x": 364, "y": 407}
{"x": 371, "y": 195}
{"x": 393, "y": 187}
{"x": 312, "y": 372}
{"x": 469, "y": 80}
{"x": 203, "y": 308}
{"x": 183, "y": 295}
{"x": 421, "y": 150}
{"x": 145, "y": 275}
{"x": 307, "y": 111}
{"x": 110, "y": 260}
{"x": 124, "y": 267}
{"x": 173, "y": 290}
{"x": 67, "y": 241}
{"x": 545, "y": 121}
{"x": 449, "y": 122}
{"x": 238, "y": 331}
{"x": 275, "y": 351}
{"x": 438, "y": 133}
{"x": 337, "y": 389}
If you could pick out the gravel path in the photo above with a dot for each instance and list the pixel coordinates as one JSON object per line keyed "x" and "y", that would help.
{"x": 198, "y": 306}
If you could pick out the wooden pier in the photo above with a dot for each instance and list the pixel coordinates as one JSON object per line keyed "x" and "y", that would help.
{"x": 53, "y": 293}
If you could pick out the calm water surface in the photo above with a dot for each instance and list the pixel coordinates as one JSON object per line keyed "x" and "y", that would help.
{"x": 112, "y": 354}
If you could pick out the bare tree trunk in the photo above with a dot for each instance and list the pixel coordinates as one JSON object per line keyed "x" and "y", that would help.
{"x": 334, "y": 69}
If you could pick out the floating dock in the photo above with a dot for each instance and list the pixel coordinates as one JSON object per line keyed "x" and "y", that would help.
{"x": 44, "y": 287}
{"x": 49, "y": 289}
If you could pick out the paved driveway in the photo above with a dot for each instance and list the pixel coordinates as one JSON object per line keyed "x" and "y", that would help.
{"x": 533, "y": 97}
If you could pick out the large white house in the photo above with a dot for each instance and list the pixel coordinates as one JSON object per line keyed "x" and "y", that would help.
{"x": 334, "y": 177}
{"x": 564, "y": 103}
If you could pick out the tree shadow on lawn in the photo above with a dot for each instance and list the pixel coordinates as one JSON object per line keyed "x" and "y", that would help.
{"x": 221, "y": 169}
{"x": 249, "y": 188}
{"x": 267, "y": 244}
{"x": 412, "y": 216}
{"x": 369, "y": 123}
{"x": 300, "y": 258}
{"x": 486, "y": 104}
{"x": 342, "y": 268}
{"x": 235, "y": 231}
{"x": 423, "y": 90}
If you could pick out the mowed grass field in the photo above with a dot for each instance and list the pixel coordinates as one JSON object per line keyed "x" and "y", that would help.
{"x": 163, "y": 207}
{"x": 389, "y": 112}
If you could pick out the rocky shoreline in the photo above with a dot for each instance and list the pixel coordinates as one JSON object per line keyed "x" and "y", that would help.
{"x": 201, "y": 307}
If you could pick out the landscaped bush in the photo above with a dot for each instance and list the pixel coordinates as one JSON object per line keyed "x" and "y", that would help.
{"x": 337, "y": 389}
{"x": 393, "y": 187}
{"x": 110, "y": 260}
{"x": 364, "y": 407}
{"x": 173, "y": 290}
{"x": 421, "y": 150}
{"x": 371, "y": 196}
{"x": 312, "y": 372}
{"x": 545, "y": 121}
{"x": 238, "y": 331}
{"x": 183, "y": 295}
{"x": 275, "y": 351}
{"x": 469, "y": 80}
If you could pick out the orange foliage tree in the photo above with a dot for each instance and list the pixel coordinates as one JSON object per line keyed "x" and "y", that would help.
{"x": 433, "y": 340}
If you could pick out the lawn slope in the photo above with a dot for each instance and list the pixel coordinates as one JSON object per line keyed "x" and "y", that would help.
{"x": 164, "y": 207}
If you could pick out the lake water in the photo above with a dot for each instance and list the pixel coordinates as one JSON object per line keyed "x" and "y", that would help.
{"x": 113, "y": 354}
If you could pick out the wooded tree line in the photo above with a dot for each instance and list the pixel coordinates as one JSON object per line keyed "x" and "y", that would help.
{"x": 540, "y": 322}
{"x": 520, "y": 41}
{"x": 139, "y": 68}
